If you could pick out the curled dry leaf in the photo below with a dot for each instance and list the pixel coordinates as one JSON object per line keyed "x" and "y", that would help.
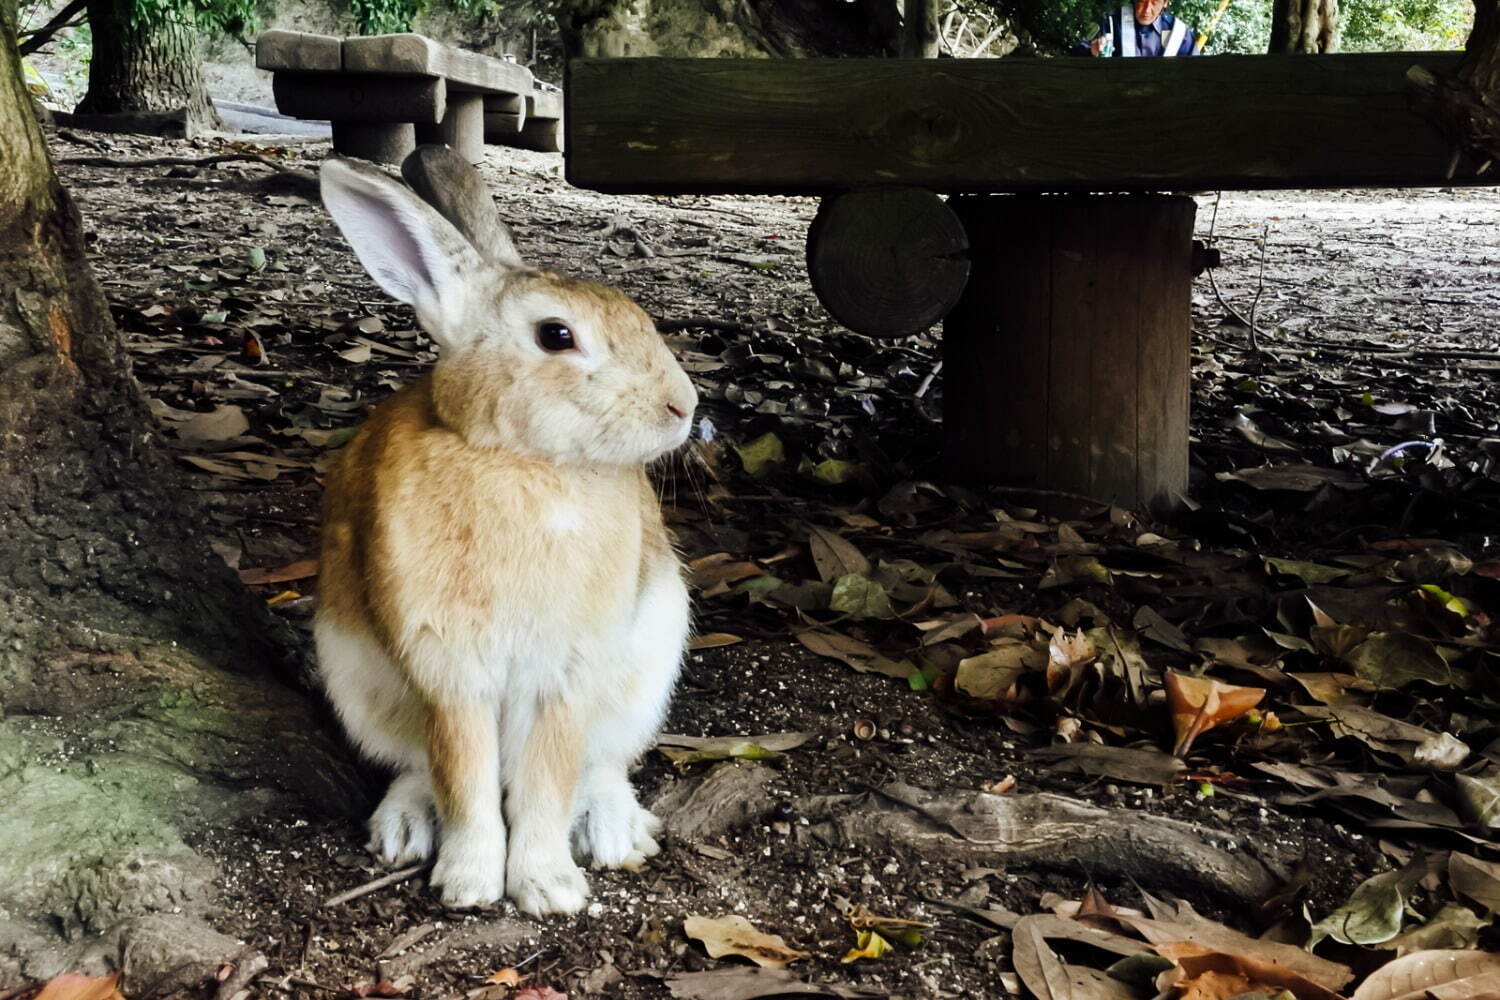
{"x": 1198, "y": 704}
{"x": 1415, "y": 976}
{"x": 1259, "y": 974}
{"x": 734, "y": 935}
{"x": 990, "y": 675}
{"x": 77, "y": 986}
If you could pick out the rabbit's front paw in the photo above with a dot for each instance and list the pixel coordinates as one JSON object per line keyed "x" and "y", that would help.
{"x": 401, "y": 828}
{"x": 615, "y": 832}
{"x": 540, "y": 887}
{"x": 470, "y": 868}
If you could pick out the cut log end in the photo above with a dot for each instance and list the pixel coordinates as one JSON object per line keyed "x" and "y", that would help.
{"x": 887, "y": 262}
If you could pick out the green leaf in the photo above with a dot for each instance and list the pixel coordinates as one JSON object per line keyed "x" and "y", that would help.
{"x": 1374, "y": 911}
{"x": 1393, "y": 659}
{"x": 833, "y": 471}
{"x": 1451, "y": 927}
{"x": 256, "y": 258}
{"x": 860, "y": 597}
{"x": 761, "y": 456}
{"x": 1447, "y": 601}
{"x": 868, "y": 944}
{"x": 1307, "y": 572}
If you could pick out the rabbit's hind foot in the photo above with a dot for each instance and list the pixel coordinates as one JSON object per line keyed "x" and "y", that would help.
{"x": 402, "y": 828}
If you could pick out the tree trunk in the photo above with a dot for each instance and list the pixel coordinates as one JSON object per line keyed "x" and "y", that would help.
{"x": 1467, "y": 105}
{"x": 1304, "y": 26}
{"x": 717, "y": 29}
{"x": 137, "y": 710}
{"x": 146, "y": 69}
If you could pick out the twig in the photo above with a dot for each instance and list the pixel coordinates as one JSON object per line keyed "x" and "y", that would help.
{"x": 927, "y": 382}
{"x": 1260, "y": 287}
{"x": 375, "y": 886}
{"x": 171, "y": 161}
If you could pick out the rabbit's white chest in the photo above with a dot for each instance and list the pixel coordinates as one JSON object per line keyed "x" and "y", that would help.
{"x": 565, "y": 519}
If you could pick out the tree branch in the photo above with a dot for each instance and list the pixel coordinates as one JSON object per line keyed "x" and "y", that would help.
{"x": 62, "y": 19}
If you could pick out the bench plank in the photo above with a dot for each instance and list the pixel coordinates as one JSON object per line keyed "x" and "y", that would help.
{"x": 371, "y": 98}
{"x": 298, "y": 51}
{"x": 417, "y": 55}
{"x": 813, "y": 125}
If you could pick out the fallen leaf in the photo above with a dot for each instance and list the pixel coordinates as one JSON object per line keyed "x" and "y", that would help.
{"x": 1375, "y": 909}
{"x": 302, "y": 569}
{"x": 1307, "y": 572}
{"x": 761, "y": 456}
{"x": 1140, "y": 766}
{"x": 1392, "y": 659}
{"x": 713, "y": 640}
{"x": 834, "y": 556}
{"x": 1216, "y": 937}
{"x": 860, "y": 597}
{"x": 504, "y": 977}
{"x": 219, "y": 424}
{"x": 1412, "y": 976}
{"x": 1441, "y": 752}
{"x": 1452, "y": 927}
{"x": 539, "y": 993}
{"x": 867, "y": 944}
{"x": 860, "y": 655}
{"x": 1480, "y": 795}
{"x": 990, "y": 675}
{"x": 751, "y": 983}
{"x": 1476, "y": 879}
{"x": 1048, "y": 977}
{"x": 685, "y": 750}
{"x": 1198, "y": 704}
{"x": 77, "y": 986}
{"x": 734, "y": 935}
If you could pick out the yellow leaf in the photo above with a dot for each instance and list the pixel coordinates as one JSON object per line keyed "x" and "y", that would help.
{"x": 868, "y": 944}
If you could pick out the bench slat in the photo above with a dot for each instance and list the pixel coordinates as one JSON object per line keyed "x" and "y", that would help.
{"x": 814, "y": 125}
{"x": 418, "y": 55}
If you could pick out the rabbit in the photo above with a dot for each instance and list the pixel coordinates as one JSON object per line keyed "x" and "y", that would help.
{"x": 502, "y": 612}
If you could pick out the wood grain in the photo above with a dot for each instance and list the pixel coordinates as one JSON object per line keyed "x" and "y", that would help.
{"x": 1066, "y": 360}
{"x": 955, "y": 125}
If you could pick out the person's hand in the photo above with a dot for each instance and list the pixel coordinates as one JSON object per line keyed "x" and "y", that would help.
{"x": 1096, "y": 46}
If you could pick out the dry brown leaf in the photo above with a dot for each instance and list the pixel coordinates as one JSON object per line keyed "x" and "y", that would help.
{"x": 77, "y": 986}
{"x": 1214, "y": 986}
{"x": 717, "y": 571}
{"x": 1216, "y": 937}
{"x": 1198, "y": 960}
{"x": 860, "y": 655}
{"x": 990, "y": 675}
{"x": 504, "y": 977}
{"x": 713, "y": 640}
{"x": 1198, "y": 704}
{"x": 833, "y": 555}
{"x": 734, "y": 935}
{"x": 1412, "y": 976}
{"x": 302, "y": 569}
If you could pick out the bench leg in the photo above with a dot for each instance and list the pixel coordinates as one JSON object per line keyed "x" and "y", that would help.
{"x": 1066, "y": 361}
{"x": 381, "y": 143}
{"x": 462, "y": 126}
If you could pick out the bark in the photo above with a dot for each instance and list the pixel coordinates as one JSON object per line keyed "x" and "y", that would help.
{"x": 141, "y": 68}
{"x": 730, "y": 28}
{"x": 137, "y": 705}
{"x": 1304, "y": 27}
{"x": 1467, "y": 104}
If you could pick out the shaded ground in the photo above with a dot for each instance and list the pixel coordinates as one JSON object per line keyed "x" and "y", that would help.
{"x": 254, "y": 330}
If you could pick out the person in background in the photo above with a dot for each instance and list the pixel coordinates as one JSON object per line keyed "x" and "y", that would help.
{"x": 1148, "y": 30}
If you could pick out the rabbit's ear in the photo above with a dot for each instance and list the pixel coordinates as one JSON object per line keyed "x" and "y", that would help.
{"x": 409, "y": 249}
{"x": 450, "y": 184}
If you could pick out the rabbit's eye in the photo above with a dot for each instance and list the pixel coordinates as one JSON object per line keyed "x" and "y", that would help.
{"x": 554, "y": 336}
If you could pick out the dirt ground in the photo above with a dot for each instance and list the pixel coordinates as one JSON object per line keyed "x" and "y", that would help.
{"x": 194, "y": 259}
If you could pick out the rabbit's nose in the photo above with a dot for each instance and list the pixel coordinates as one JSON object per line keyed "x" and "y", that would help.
{"x": 676, "y": 411}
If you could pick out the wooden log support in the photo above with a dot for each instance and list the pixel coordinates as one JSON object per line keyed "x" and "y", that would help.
{"x": 371, "y": 98}
{"x": 1066, "y": 360}
{"x": 379, "y": 143}
{"x": 462, "y": 126}
{"x": 809, "y": 126}
{"x": 887, "y": 262}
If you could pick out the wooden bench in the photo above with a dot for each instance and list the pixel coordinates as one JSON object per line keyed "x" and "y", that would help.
{"x": 385, "y": 93}
{"x": 1066, "y": 347}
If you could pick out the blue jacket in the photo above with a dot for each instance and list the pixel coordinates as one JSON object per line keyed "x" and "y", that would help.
{"x": 1148, "y": 38}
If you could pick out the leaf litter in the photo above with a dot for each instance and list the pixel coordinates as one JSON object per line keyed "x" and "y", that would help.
{"x": 1312, "y": 635}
